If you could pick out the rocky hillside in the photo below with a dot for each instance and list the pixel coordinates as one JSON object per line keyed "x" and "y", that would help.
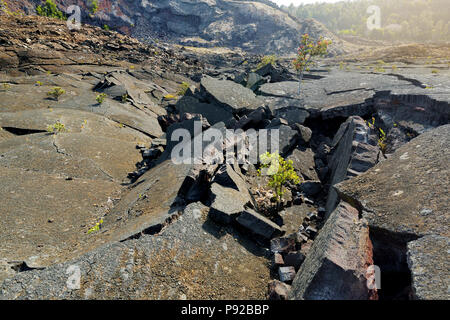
{"x": 93, "y": 207}
{"x": 250, "y": 25}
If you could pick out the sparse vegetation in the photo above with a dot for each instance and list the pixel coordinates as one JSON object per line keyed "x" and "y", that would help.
{"x": 6, "y": 86}
{"x": 125, "y": 98}
{"x": 272, "y": 59}
{"x": 308, "y": 50}
{"x": 49, "y": 9}
{"x": 382, "y": 140}
{"x": 57, "y": 127}
{"x": 435, "y": 71}
{"x": 101, "y": 98}
{"x": 38, "y": 83}
{"x": 96, "y": 227}
{"x": 5, "y": 8}
{"x": 94, "y": 6}
{"x": 183, "y": 88}
{"x": 381, "y": 134}
{"x": 106, "y": 27}
{"x": 169, "y": 97}
{"x": 280, "y": 171}
{"x": 56, "y": 92}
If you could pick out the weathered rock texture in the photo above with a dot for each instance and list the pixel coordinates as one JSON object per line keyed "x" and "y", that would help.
{"x": 336, "y": 265}
{"x": 405, "y": 198}
{"x": 250, "y": 25}
{"x": 355, "y": 151}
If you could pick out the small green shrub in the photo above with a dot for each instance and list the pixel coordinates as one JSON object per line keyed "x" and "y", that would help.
{"x": 57, "y": 127}
{"x": 101, "y": 98}
{"x": 280, "y": 171}
{"x": 56, "y": 92}
{"x": 381, "y": 136}
{"x": 125, "y": 98}
{"x": 94, "y": 6}
{"x": 106, "y": 27}
{"x": 382, "y": 140}
{"x": 272, "y": 59}
{"x": 183, "y": 88}
{"x": 434, "y": 71}
{"x": 96, "y": 227}
{"x": 6, "y": 86}
{"x": 49, "y": 9}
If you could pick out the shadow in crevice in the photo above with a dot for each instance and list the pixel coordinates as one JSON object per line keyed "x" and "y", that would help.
{"x": 389, "y": 254}
{"x": 21, "y": 131}
{"x": 218, "y": 231}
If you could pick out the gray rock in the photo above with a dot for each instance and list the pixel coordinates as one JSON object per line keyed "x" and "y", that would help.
{"x": 147, "y": 262}
{"x": 286, "y": 274}
{"x": 229, "y": 195}
{"x": 430, "y": 276}
{"x": 227, "y": 204}
{"x": 294, "y": 259}
{"x": 254, "y": 81}
{"x": 303, "y": 162}
{"x": 277, "y": 260}
{"x": 294, "y": 115}
{"x": 305, "y": 134}
{"x": 230, "y": 95}
{"x": 285, "y": 89}
{"x": 393, "y": 202}
{"x": 393, "y": 194}
{"x": 335, "y": 267}
{"x": 355, "y": 150}
{"x": 259, "y": 226}
{"x": 278, "y": 290}
{"x": 282, "y": 244}
{"x": 213, "y": 113}
{"x": 288, "y": 138}
{"x": 310, "y": 188}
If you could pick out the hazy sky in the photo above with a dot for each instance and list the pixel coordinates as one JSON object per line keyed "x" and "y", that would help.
{"x": 297, "y": 2}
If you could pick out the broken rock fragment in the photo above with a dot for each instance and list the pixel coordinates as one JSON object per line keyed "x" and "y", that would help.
{"x": 259, "y": 226}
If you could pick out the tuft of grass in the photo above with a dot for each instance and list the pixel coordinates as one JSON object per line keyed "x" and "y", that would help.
{"x": 56, "y": 92}
{"x": 183, "y": 88}
{"x": 57, "y": 127}
{"x": 272, "y": 59}
{"x": 96, "y": 227}
{"x": 435, "y": 71}
{"x": 101, "y": 98}
{"x": 169, "y": 97}
{"x": 6, "y": 86}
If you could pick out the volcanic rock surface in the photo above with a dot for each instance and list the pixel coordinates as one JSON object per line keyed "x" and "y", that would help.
{"x": 103, "y": 196}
